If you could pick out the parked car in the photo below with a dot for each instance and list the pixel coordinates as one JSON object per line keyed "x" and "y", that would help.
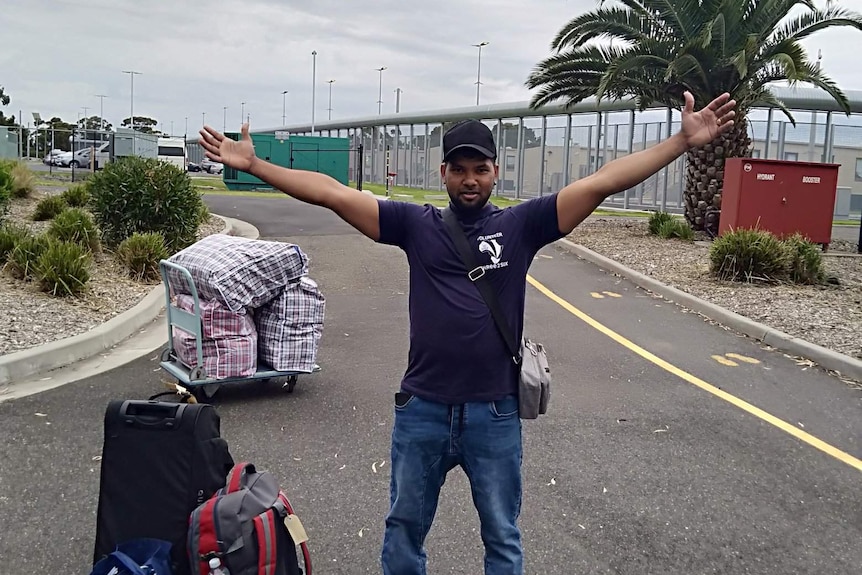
{"x": 211, "y": 167}
{"x": 64, "y": 159}
{"x": 51, "y": 158}
{"x": 193, "y": 167}
{"x": 79, "y": 159}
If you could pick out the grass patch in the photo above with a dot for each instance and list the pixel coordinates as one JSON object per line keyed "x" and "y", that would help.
{"x": 48, "y": 183}
{"x": 206, "y": 183}
{"x": 216, "y": 187}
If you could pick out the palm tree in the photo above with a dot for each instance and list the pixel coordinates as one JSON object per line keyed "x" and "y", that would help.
{"x": 660, "y": 48}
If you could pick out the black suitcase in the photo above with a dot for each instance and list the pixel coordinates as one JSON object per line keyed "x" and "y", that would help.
{"x": 160, "y": 460}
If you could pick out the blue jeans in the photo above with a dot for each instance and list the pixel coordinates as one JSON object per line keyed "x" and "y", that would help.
{"x": 428, "y": 440}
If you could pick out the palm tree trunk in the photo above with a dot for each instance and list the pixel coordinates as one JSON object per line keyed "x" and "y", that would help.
{"x": 704, "y": 178}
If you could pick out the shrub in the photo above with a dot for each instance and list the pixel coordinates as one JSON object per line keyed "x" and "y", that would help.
{"x": 749, "y": 255}
{"x": 141, "y": 254}
{"x": 23, "y": 181}
{"x": 5, "y": 189}
{"x": 76, "y": 226}
{"x": 657, "y": 219}
{"x": 23, "y": 257}
{"x": 77, "y": 196}
{"x": 806, "y": 260}
{"x": 145, "y": 195}
{"x": 203, "y": 214}
{"x": 63, "y": 268}
{"x": 675, "y": 228}
{"x": 10, "y": 235}
{"x": 48, "y": 208}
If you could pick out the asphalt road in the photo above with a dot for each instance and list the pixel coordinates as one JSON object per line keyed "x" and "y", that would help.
{"x": 646, "y": 463}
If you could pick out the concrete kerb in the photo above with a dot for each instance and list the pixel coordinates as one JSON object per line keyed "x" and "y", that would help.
{"x": 61, "y": 353}
{"x": 826, "y": 358}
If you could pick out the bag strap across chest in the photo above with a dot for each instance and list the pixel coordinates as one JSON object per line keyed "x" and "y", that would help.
{"x": 476, "y": 274}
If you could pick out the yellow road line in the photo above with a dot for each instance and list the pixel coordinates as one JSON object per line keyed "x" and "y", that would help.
{"x": 741, "y": 404}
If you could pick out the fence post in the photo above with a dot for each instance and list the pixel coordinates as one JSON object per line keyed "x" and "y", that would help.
{"x": 360, "y": 163}
{"x": 386, "y": 172}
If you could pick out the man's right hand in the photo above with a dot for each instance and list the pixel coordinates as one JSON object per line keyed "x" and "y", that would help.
{"x": 231, "y": 153}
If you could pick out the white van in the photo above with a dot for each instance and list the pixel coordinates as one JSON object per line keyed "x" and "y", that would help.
{"x": 173, "y": 151}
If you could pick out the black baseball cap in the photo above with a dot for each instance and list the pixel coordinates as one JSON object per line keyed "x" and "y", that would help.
{"x": 471, "y": 134}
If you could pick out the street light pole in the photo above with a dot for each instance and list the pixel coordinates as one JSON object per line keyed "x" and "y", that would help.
{"x": 398, "y": 100}
{"x": 284, "y": 108}
{"x": 479, "y": 69}
{"x": 132, "y": 74}
{"x": 313, "y": 86}
{"x": 101, "y": 98}
{"x": 380, "y": 97}
{"x": 224, "y": 121}
{"x": 330, "y": 82}
{"x": 242, "y": 113}
{"x": 203, "y": 118}
{"x": 187, "y": 127}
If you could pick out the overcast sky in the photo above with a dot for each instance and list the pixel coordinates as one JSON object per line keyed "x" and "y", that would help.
{"x": 197, "y": 57}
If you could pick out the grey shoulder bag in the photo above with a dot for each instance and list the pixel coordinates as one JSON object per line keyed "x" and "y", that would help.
{"x": 534, "y": 388}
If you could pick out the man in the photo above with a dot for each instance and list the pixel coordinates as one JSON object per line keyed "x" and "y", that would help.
{"x": 457, "y": 404}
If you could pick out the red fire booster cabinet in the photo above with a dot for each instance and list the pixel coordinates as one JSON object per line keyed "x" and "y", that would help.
{"x": 780, "y": 197}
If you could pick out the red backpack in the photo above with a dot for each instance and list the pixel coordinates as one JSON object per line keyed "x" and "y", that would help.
{"x": 250, "y": 526}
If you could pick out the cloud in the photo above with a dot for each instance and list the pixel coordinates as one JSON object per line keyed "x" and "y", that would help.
{"x": 198, "y": 57}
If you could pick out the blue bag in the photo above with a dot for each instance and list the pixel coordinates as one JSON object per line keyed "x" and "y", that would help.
{"x": 137, "y": 557}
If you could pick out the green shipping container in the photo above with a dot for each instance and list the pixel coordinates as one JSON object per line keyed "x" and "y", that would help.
{"x": 330, "y": 156}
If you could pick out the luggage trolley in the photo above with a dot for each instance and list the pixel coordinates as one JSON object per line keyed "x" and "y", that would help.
{"x": 193, "y": 377}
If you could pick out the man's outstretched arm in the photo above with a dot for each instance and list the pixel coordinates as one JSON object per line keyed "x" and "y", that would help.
{"x": 356, "y": 208}
{"x": 579, "y": 199}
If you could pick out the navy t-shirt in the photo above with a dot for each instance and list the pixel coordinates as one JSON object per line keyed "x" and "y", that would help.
{"x": 457, "y": 354}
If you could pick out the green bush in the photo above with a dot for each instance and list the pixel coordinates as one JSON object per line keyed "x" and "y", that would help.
{"x": 76, "y": 226}
{"x": 77, "y": 196}
{"x": 5, "y": 189}
{"x": 141, "y": 254}
{"x": 10, "y": 235}
{"x": 48, "y": 208}
{"x": 26, "y": 253}
{"x": 204, "y": 214}
{"x": 657, "y": 220}
{"x": 749, "y": 255}
{"x": 675, "y": 228}
{"x": 63, "y": 269}
{"x": 806, "y": 260}
{"x": 23, "y": 181}
{"x": 145, "y": 195}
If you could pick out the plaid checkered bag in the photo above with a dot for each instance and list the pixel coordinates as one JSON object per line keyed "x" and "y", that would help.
{"x": 290, "y": 327}
{"x": 228, "y": 344}
{"x": 223, "y": 358}
{"x": 238, "y": 272}
{"x": 216, "y": 320}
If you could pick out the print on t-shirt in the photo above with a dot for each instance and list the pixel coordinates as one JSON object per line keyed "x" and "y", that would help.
{"x": 490, "y": 245}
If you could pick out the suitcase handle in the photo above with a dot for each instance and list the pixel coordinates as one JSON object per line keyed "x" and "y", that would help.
{"x": 151, "y": 413}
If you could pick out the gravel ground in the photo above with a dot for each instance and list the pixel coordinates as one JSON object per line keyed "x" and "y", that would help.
{"x": 31, "y": 317}
{"x": 829, "y": 315}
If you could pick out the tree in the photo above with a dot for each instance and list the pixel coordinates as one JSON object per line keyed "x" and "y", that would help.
{"x": 661, "y": 48}
{"x": 4, "y": 101}
{"x": 57, "y": 134}
{"x": 94, "y": 123}
{"x": 142, "y": 124}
